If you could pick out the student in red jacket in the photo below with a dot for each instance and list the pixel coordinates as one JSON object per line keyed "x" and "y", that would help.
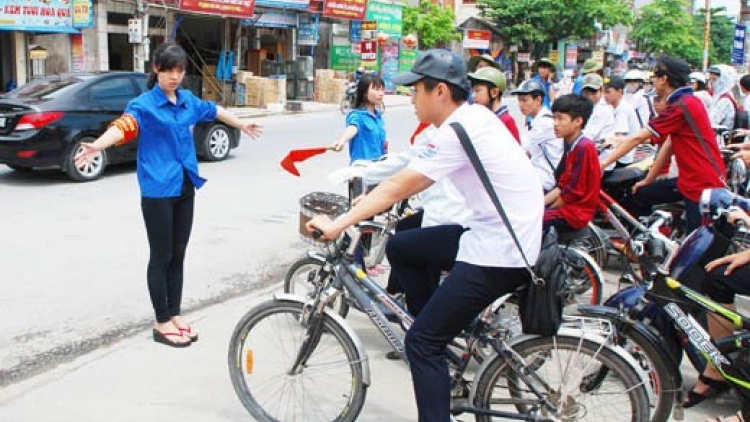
{"x": 571, "y": 204}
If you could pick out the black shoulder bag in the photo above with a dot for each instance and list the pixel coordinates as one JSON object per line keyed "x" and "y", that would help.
{"x": 540, "y": 304}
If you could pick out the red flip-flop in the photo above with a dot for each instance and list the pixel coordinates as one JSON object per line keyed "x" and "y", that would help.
{"x": 188, "y": 332}
{"x": 164, "y": 338}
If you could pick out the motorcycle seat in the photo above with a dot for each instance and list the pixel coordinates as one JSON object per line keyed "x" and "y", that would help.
{"x": 623, "y": 176}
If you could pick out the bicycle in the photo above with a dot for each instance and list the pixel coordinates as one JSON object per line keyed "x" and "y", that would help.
{"x": 279, "y": 381}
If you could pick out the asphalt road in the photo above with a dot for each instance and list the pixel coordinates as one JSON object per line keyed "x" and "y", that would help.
{"x": 74, "y": 255}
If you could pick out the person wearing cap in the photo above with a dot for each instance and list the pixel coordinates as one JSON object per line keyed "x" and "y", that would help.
{"x": 700, "y": 88}
{"x": 571, "y": 204}
{"x": 484, "y": 261}
{"x": 635, "y": 94}
{"x": 542, "y": 146}
{"x": 626, "y": 120}
{"x": 714, "y": 72}
{"x": 544, "y": 75}
{"x": 484, "y": 60}
{"x": 671, "y": 130}
{"x": 589, "y": 66}
{"x": 487, "y": 86}
{"x": 601, "y": 125}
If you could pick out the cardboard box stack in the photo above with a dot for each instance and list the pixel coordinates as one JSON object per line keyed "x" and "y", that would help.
{"x": 260, "y": 92}
{"x": 210, "y": 86}
{"x": 329, "y": 88}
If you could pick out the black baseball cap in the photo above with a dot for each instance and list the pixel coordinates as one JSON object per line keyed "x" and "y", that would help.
{"x": 438, "y": 64}
{"x": 616, "y": 82}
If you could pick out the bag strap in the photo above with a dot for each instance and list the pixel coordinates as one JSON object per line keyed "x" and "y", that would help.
{"x": 482, "y": 173}
{"x": 698, "y": 134}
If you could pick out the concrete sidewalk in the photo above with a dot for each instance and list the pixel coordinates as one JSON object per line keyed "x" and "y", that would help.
{"x": 139, "y": 380}
{"x": 390, "y": 100}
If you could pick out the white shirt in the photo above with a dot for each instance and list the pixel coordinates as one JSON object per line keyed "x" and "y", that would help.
{"x": 601, "y": 124}
{"x": 640, "y": 103}
{"x": 626, "y": 123}
{"x": 441, "y": 202}
{"x": 488, "y": 242}
{"x": 545, "y": 150}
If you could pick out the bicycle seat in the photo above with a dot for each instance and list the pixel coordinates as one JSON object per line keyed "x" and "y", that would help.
{"x": 564, "y": 237}
{"x": 623, "y": 176}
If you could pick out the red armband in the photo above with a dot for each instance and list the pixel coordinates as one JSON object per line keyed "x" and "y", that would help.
{"x": 129, "y": 127}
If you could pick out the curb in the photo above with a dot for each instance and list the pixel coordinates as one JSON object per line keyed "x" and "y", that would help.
{"x": 250, "y": 115}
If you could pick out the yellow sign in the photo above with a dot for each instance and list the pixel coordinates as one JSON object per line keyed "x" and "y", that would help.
{"x": 554, "y": 55}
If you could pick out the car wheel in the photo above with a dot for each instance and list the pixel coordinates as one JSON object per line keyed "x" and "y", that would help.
{"x": 86, "y": 172}
{"x": 217, "y": 143}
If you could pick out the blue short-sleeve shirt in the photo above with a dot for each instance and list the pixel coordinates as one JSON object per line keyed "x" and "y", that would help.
{"x": 166, "y": 150}
{"x": 370, "y": 142}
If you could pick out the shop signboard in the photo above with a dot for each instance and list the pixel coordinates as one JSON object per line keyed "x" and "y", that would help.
{"x": 554, "y": 56}
{"x": 284, "y": 4}
{"x": 369, "y": 53}
{"x": 343, "y": 58}
{"x": 83, "y": 14}
{"x": 355, "y": 32}
{"x": 571, "y": 56}
{"x": 37, "y": 15}
{"x": 235, "y": 8}
{"x": 307, "y": 31}
{"x": 345, "y": 9}
{"x": 389, "y": 64}
{"x": 388, "y": 17}
{"x": 78, "y": 53}
{"x": 738, "y": 45}
{"x": 369, "y": 30}
{"x": 272, "y": 19}
{"x": 474, "y": 38}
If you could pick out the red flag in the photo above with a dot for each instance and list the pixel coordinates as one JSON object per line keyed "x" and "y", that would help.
{"x": 299, "y": 155}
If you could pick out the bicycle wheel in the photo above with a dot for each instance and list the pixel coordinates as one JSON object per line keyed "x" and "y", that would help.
{"x": 652, "y": 360}
{"x": 595, "y": 244}
{"x": 583, "y": 284}
{"x": 263, "y": 349}
{"x": 564, "y": 366}
{"x": 301, "y": 280}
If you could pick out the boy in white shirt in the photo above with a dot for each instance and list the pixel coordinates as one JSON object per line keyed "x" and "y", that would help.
{"x": 626, "y": 119}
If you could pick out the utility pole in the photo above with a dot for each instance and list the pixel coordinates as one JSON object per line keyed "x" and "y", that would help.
{"x": 138, "y": 36}
{"x": 707, "y": 32}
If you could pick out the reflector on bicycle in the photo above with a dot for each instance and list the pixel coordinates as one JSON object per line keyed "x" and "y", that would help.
{"x": 249, "y": 361}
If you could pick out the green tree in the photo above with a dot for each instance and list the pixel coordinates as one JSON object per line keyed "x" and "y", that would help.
{"x": 721, "y": 37}
{"x": 664, "y": 27}
{"x": 433, "y": 25}
{"x": 544, "y": 21}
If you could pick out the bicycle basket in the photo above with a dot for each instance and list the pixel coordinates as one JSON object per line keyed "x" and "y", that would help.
{"x": 320, "y": 203}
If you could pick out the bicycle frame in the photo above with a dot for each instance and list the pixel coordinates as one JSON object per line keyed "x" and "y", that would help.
{"x": 368, "y": 294}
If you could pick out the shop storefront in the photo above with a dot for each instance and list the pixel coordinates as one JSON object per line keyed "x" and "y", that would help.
{"x": 37, "y": 36}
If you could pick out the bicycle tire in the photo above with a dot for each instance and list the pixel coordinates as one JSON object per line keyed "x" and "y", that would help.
{"x": 577, "y": 281}
{"x": 595, "y": 244}
{"x": 264, "y": 394}
{"x": 653, "y": 360}
{"x": 537, "y": 350}
{"x": 300, "y": 273}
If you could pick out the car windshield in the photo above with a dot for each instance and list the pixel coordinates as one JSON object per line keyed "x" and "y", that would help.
{"x": 49, "y": 87}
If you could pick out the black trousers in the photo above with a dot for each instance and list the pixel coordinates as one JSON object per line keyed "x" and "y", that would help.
{"x": 413, "y": 221}
{"x": 417, "y": 256}
{"x": 168, "y": 225}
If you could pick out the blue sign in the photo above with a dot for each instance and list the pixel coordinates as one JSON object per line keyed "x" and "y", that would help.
{"x": 738, "y": 44}
{"x": 355, "y": 32}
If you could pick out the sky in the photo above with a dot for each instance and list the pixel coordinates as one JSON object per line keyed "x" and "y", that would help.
{"x": 732, "y": 6}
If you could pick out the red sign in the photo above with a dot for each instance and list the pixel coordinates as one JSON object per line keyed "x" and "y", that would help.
{"x": 369, "y": 51}
{"x": 345, "y": 9}
{"x": 236, "y": 8}
{"x": 474, "y": 38}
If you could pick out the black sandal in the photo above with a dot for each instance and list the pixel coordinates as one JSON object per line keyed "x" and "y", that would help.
{"x": 715, "y": 387}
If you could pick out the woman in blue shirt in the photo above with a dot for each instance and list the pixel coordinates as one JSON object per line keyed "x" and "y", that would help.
{"x": 163, "y": 120}
{"x": 365, "y": 130}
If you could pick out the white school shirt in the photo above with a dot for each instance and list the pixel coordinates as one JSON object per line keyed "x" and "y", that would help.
{"x": 441, "y": 202}
{"x": 601, "y": 124}
{"x": 488, "y": 242}
{"x": 626, "y": 123}
{"x": 545, "y": 150}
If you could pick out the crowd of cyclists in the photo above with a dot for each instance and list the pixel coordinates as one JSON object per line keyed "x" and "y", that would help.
{"x": 546, "y": 175}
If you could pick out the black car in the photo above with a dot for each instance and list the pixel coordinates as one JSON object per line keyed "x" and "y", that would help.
{"x": 43, "y": 123}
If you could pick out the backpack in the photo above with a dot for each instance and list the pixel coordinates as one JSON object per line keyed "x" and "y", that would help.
{"x": 740, "y": 114}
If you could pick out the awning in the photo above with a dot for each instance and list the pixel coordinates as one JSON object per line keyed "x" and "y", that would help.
{"x": 42, "y": 29}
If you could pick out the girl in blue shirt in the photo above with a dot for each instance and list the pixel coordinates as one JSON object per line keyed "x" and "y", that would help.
{"x": 162, "y": 120}
{"x": 365, "y": 130}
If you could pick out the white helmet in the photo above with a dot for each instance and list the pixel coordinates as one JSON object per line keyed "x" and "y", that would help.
{"x": 634, "y": 75}
{"x": 698, "y": 76}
